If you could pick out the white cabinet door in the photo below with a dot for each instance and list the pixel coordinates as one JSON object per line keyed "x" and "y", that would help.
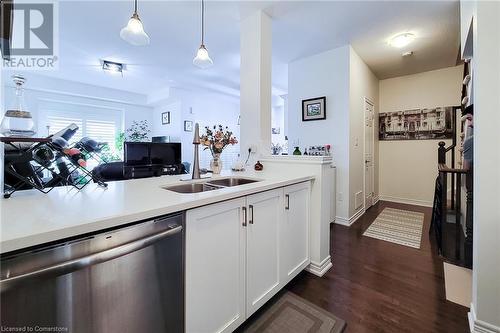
{"x": 265, "y": 211}
{"x": 294, "y": 231}
{"x": 215, "y": 267}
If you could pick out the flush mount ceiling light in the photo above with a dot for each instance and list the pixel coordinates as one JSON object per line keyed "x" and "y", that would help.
{"x": 134, "y": 33}
{"x": 202, "y": 59}
{"x": 113, "y": 67}
{"x": 402, "y": 40}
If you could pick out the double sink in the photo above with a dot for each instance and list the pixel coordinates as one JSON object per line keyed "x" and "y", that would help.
{"x": 210, "y": 185}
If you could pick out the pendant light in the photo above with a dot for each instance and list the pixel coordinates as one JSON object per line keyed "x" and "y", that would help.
{"x": 202, "y": 59}
{"x": 134, "y": 32}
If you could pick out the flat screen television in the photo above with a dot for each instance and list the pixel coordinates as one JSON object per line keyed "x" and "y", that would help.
{"x": 152, "y": 153}
{"x": 137, "y": 153}
{"x": 165, "y": 153}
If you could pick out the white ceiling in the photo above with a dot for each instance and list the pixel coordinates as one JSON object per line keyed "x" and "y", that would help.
{"x": 89, "y": 31}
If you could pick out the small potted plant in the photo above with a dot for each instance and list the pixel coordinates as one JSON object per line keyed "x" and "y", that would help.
{"x": 217, "y": 139}
{"x": 138, "y": 131}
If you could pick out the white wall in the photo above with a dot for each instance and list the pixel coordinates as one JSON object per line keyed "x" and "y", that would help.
{"x": 363, "y": 84}
{"x": 40, "y": 89}
{"x": 408, "y": 169}
{"x": 342, "y": 76}
{"x": 278, "y": 121}
{"x": 207, "y": 109}
{"x": 324, "y": 74}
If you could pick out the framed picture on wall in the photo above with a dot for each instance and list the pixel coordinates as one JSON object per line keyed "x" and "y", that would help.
{"x": 165, "y": 118}
{"x": 188, "y": 126}
{"x": 418, "y": 124}
{"x": 314, "y": 109}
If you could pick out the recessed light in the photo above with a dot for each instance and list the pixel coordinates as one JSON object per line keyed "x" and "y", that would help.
{"x": 402, "y": 40}
{"x": 111, "y": 66}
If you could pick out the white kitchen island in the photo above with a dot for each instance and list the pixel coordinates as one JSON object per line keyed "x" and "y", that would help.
{"x": 242, "y": 244}
{"x": 30, "y": 218}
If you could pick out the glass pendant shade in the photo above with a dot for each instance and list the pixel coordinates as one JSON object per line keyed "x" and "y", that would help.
{"x": 134, "y": 33}
{"x": 17, "y": 120}
{"x": 202, "y": 59}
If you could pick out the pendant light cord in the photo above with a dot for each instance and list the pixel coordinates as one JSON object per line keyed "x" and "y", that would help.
{"x": 135, "y": 7}
{"x": 202, "y": 22}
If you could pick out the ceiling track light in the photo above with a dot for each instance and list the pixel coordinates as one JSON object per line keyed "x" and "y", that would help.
{"x": 202, "y": 59}
{"x": 113, "y": 67}
{"x": 134, "y": 33}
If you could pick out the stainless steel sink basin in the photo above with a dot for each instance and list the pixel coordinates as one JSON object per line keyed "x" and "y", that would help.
{"x": 191, "y": 188}
{"x": 209, "y": 185}
{"x": 233, "y": 181}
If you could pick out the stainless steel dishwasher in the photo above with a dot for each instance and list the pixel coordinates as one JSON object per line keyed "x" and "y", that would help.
{"x": 130, "y": 279}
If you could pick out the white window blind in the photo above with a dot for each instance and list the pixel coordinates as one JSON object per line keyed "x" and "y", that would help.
{"x": 102, "y": 131}
{"x": 57, "y": 123}
{"x": 95, "y": 122}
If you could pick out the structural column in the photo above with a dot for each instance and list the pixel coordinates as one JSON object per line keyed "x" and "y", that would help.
{"x": 255, "y": 83}
{"x": 485, "y": 308}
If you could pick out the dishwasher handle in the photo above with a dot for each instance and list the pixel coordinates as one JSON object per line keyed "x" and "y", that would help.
{"x": 90, "y": 260}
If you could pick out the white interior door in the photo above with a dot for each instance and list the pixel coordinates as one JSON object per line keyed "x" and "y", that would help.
{"x": 369, "y": 169}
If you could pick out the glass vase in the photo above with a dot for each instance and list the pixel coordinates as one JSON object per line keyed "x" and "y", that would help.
{"x": 216, "y": 164}
{"x": 17, "y": 121}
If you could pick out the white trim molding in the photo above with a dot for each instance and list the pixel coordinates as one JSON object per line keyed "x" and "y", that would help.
{"x": 321, "y": 268}
{"x": 479, "y": 326}
{"x": 376, "y": 199}
{"x": 348, "y": 222}
{"x": 416, "y": 202}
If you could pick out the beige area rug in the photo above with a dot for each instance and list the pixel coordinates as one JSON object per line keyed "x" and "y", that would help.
{"x": 290, "y": 313}
{"x": 398, "y": 226}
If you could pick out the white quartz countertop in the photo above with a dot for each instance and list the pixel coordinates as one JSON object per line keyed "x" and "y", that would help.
{"x": 32, "y": 218}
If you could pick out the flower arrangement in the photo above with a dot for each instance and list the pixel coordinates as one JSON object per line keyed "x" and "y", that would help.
{"x": 217, "y": 138}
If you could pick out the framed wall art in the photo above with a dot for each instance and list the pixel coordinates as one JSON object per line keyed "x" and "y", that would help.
{"x": 417, "y": 124}
{"x": 314, "y": 109}
{"x": 165, "y": 118}
{"x": 188, "y": 126}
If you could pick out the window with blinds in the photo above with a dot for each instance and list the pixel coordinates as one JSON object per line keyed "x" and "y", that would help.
{"x": 102, "y": 131}
{"x": 57, "y": 123}
{"x": 102, "y": 125}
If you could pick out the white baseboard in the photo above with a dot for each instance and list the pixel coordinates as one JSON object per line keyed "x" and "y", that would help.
{"x": 351, "y": 220}
{"x": 321, "y": 268}
{"x": 375, "y": 199}
{"x": 479, "y": 326}
{"x": 416, "y": 202}
{"x": 342, "y": 221}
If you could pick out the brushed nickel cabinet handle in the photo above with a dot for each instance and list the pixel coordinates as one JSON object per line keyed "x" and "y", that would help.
{"x": 250, "y": 220}
{"x": 244, "y": 216}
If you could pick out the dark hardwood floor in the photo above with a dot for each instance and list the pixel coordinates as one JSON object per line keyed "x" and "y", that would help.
{"x": 377, "y": 286}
